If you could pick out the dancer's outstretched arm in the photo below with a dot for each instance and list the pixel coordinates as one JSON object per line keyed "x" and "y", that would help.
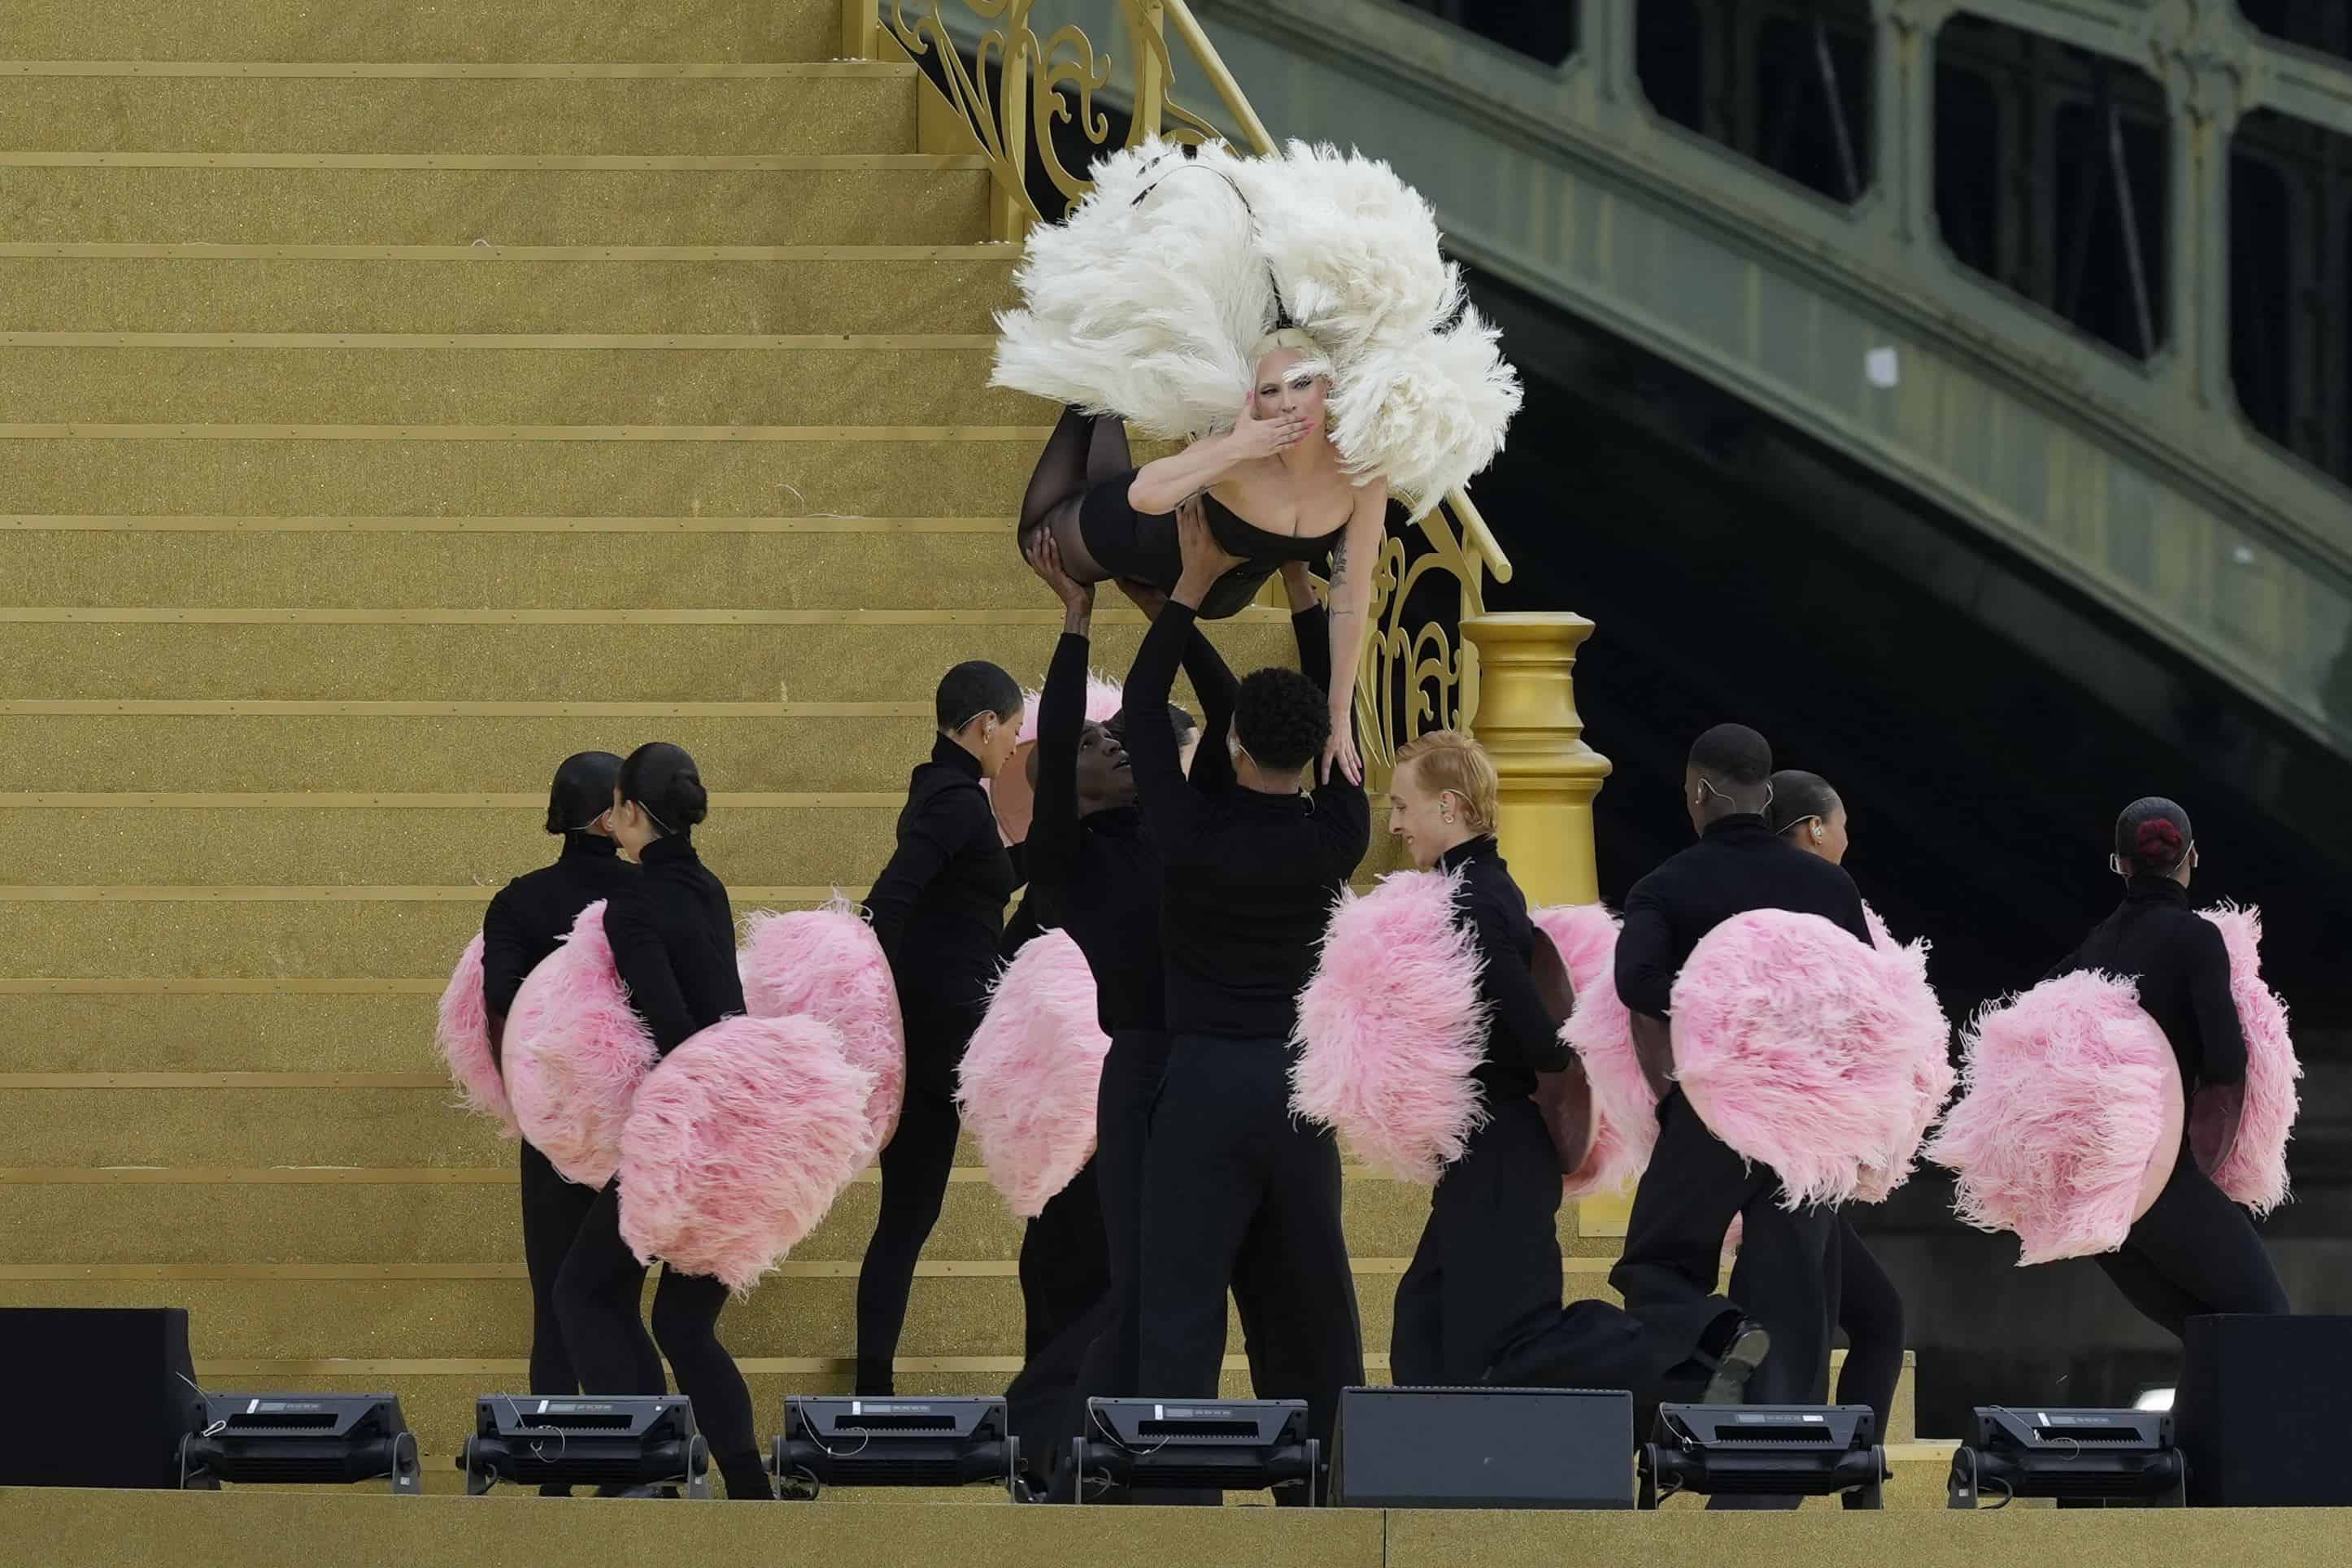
{"x": 1061, "y": 719}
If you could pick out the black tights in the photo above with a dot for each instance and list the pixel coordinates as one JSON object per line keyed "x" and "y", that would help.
{"x": 916, "y": 1165}
{"x": 1083, "y": 450}
{"x": 552, "y": 1209}
{"x": 2193, "y": 1253}
{"x": 597, "y": 1297}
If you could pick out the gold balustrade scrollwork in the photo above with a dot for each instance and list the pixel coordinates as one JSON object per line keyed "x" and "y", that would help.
{"x": 1012, "y": 87}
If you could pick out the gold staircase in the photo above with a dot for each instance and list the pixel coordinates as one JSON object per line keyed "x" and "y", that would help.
{"x": 392, "y": 400}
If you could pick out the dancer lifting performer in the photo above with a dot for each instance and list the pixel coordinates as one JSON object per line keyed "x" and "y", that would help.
{"x": 673, "y": 938}
{"x": 938, "y": 911}
{"x": 1289, "y": 319}
{"x": 1234, "y": 1190}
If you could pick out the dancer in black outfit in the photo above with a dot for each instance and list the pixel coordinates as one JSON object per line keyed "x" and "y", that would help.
{"x": 1090, "y": 856}
{"x": 938, "y": 911}
{"x": 1809, "y": 815}
{"x": 527, "y": 919}
{"x": 1486, "y": 1273}
{"x": 1695, "y": 1184}
{"x": 1233, "y": 1189}
{"x": 673, "y": 938}
{"x": 2194, "y": 1252}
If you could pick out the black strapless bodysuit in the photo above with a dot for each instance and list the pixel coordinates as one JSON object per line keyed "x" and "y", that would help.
{"x": 1142, "y": 547}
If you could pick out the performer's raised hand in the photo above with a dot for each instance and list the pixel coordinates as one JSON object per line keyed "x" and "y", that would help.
{"x": 1340, "y": 751}
{"x": 1045, "y": 558}
{"x": 1205, "y": 560}
{"x": 1252, "y": 437}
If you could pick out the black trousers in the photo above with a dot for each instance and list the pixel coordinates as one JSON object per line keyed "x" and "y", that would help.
{"x": 915, "y": 1168}
{"x": 597, "y": 1295}
{"x": 2194, "y": 1252}
{"x": 552, "y": 1209}
{"x": 1666, "y": 1275}
{"x": 1064, "y": 1262}
{"x": 1481, "y": 1300}
{"x": 1486, "y": 1275}
{"x": 1065, "y": 1290}
{"x": 1236, "y": 1194}
{"x": 1870, "y": 1312}
{"x": 1131, "y": 1076}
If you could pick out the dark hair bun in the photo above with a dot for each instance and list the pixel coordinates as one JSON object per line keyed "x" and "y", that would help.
{"x": 663, "y": 779}
{"x": 688, "y": 799}
{"x": 2157, "y": 839}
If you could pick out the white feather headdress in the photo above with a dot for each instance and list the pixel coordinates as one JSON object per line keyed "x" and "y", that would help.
{"x": 1147, "y": 301}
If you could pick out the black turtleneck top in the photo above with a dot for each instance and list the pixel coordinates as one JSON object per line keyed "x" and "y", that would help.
{"x": 1247, "y": 878}
{"x": 673, "y": 937}
{"x": 939, "y": 906}
{"x": 2182, "y": 968}
{"x": 1522, "y": 1037}
{"x": 1097, "y": 876}
{"x": 1739, "y": 864}
{"x": 531, "y": 915}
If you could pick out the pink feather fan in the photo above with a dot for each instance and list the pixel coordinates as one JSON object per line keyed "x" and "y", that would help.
{"x": 1029, "y": 1078}
{"x": 2069, "y": 1118}
{"x": 827, "y": 963}
{"x": 1390, "y": 1026}
{"x": 1796, "y": 1047}
{"x": 1932, "y": 1075}
{"x": 575, "y": 1052}
{"x": 2253, "y": 1173}
{"x": 1601, "y": 1032}
{"x": 462, "y": 1032}
{"x": 738, "y": 1144}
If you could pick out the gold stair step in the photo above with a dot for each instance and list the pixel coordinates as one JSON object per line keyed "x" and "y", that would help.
{"x": 338, "y": 291}
{"x": 124, "y": 106}
{"x": 776, "y": 846}
{"x": 962, "y": 570}
{"x": 837, "y": 382}
{"x": 61, "y": 1220}
{"x": 460, "y": 30}
{"x": 176, "y": 938}
{"x": 881, "y": 199}
{"x": 638, "y": 656}
{"x": 799, "y": 1314}
{"x": 382, "y": 1030}
{"x": 589, "y": 471}
{"x": 434, "y": 747}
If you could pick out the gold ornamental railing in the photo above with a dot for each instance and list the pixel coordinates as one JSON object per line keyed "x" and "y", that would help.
{"x": 1037, "y": 101}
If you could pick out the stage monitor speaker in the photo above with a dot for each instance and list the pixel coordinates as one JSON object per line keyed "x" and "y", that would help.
{"x": 2264, "y": 1412}
{"x": 1482, "y": 1448}
{"x": 103, "y": 1394}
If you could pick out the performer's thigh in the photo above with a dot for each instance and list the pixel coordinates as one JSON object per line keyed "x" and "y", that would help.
{"x": 1121, "y": 542}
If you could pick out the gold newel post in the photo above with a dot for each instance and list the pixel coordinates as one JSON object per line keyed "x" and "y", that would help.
{"x": 1527, "y": 718}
